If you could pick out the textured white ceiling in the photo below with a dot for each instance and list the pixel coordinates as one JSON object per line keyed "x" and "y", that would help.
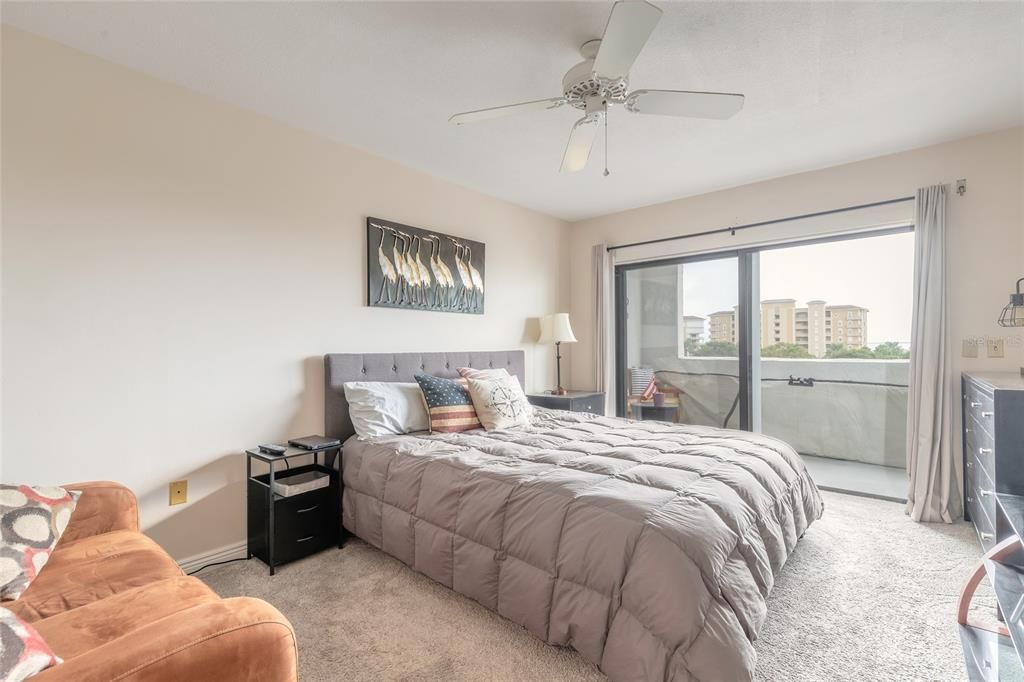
{"x": 826, "y": 82}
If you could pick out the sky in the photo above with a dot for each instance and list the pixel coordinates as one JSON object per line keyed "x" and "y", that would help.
{"x": 873, "y": 272}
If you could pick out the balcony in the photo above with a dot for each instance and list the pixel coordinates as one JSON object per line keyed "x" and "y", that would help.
{"x": 850, "y": 426}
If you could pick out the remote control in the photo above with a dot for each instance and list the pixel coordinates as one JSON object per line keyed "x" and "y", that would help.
{"x": 273, "y": 449}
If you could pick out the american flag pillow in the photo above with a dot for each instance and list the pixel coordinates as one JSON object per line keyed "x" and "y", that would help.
{"x": 449, "y": 407}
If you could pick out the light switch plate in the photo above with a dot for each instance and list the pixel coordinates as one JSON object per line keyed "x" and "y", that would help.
{"x": 178, "y": 493}
{"x": 995, "y": 348}
{"x": 970, "y": 348}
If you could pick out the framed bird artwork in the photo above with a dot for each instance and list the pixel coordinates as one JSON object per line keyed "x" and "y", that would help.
{"x": 418, "y": 269}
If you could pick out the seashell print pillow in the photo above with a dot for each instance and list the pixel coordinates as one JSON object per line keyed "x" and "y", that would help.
{"x": 500, "y": 403}
{"x": 32, "y": 519}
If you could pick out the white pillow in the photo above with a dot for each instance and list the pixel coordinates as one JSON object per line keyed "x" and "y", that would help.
{"x": 385, "y": 408}
{"x": 500, "y": 403}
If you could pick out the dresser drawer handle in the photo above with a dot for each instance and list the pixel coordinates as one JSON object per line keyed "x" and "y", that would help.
{"x": 307, "y": 509}
{"x": 984, "y": 493}
{"x": 306, "y": 539}
{"x": 987, "y": 536}
{"x": 987, "y": 414}
{"x": 970, "y": 499}
{"x": 974, "y": 404}
{"x": 984, "y": 451}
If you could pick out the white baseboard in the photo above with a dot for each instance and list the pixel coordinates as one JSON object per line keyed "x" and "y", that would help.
{"x": 236, "y": 550}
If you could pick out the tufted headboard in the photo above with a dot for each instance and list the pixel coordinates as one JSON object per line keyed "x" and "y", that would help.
{"x": 342, "y": 367}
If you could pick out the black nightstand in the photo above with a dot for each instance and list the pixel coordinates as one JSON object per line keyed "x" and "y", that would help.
{"x": 573, "y": 401}
{"x": 283, "y": 529}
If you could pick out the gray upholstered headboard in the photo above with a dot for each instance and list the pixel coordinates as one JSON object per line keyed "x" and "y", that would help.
{"x": 342, "y": 367}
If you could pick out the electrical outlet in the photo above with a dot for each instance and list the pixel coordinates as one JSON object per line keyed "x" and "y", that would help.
{"x": 178, "y": 492}
{"x": 995, "y": 348}
{"x": 970, "y": 348}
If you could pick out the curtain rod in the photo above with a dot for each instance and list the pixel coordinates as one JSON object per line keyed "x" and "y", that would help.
{"x": 733, "y": 230}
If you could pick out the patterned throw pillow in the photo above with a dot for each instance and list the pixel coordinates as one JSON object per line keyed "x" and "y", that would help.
{"x": 31, "y": 522}
{"x": 23, "y": 653}
{"x": 449, "y": 406}
{"x": 471, "y": 373}
{"x": 500, "y": 403}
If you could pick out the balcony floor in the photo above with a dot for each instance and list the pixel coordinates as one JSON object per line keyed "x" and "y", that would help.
{"x": 858, "y": 478}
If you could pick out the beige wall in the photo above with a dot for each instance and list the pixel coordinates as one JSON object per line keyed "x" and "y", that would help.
{"x": 986, "y": 244}
{"x": 174, "y": 268}
{"x": 152, "y": 236}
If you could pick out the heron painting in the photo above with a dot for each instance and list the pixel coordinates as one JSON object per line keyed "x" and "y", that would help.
{"x": 417, "y": 269}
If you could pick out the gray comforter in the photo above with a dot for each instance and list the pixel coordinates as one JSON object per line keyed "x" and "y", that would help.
{"x": 648, "y": 547}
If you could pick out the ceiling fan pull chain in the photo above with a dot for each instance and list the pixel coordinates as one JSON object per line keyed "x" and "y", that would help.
{"x": 606, "y": 143}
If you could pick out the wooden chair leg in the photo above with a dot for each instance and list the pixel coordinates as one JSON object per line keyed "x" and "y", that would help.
{"x": 1007, "y": 546}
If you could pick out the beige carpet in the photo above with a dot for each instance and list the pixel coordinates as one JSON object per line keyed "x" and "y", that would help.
{"x": 868, "y": 595}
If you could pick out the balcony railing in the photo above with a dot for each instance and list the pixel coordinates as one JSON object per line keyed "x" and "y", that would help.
{"x": 856, "y": 409}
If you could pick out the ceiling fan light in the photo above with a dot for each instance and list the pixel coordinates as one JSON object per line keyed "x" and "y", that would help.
{"x": 581, "y": 141}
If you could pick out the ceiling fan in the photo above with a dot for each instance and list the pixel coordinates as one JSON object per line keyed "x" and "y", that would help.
{"x": 602, "y": 80}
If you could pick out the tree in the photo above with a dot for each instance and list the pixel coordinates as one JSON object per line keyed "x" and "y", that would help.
{"x": 890, "y": 350}
{"x": 717, "y": 349}
{"x": 785, "y": 350}
{"x": 834, "y": 348}
{"x": 842, "y": 352}
{"x": 690, "y": 346}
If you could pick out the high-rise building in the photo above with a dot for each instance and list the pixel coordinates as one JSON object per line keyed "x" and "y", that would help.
{"x": 722, "y": 326}
{"x": 848, "y": 325}
{"x": 813, "y": 328}
{"x": 693, "y": 328}
{"x": 778, "y": 321}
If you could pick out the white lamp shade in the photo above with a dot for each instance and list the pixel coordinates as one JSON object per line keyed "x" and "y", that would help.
{"x": 556, "y": 329}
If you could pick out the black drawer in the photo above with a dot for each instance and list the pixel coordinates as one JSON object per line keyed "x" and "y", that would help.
{"x": 980, "y": 447}
{"x": 978, "y": 405}
{"x": 303, "y": 515}
{"x": 982, "y": 426}
{"x": 981, "y": 504}
{"x": 573, "y": 402}
{"x": 592, "y": 403}
{"x": 289, "y": 547}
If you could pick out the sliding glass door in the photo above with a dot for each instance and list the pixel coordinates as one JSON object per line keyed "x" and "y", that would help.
{"x": 806, "y": 341}
{"x": 835, "y": 348}
{"x": 678, "y": 323}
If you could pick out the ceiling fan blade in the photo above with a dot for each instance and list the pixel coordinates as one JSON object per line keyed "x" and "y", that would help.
{"x": 581, "y": 140}
{"x": 496, "y": 112}
{"x": 718, "y": 105}
{"x": 629, "y": 26}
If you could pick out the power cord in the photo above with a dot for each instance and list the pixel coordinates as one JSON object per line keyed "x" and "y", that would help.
{"x": 218, "y": 563}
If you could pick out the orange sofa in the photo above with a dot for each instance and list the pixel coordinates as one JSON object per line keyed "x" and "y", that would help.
{"x": 115, "y": 606}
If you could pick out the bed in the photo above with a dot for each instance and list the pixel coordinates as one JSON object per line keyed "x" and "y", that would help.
{"x": 648, "y": 547}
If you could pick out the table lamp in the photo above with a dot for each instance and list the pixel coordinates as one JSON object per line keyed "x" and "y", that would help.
{"x": 556, "y": 329}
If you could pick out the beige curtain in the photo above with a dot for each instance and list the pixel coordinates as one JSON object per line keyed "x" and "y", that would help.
{"x": 604, "y": 324}
{"x": 933, "y": 493}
